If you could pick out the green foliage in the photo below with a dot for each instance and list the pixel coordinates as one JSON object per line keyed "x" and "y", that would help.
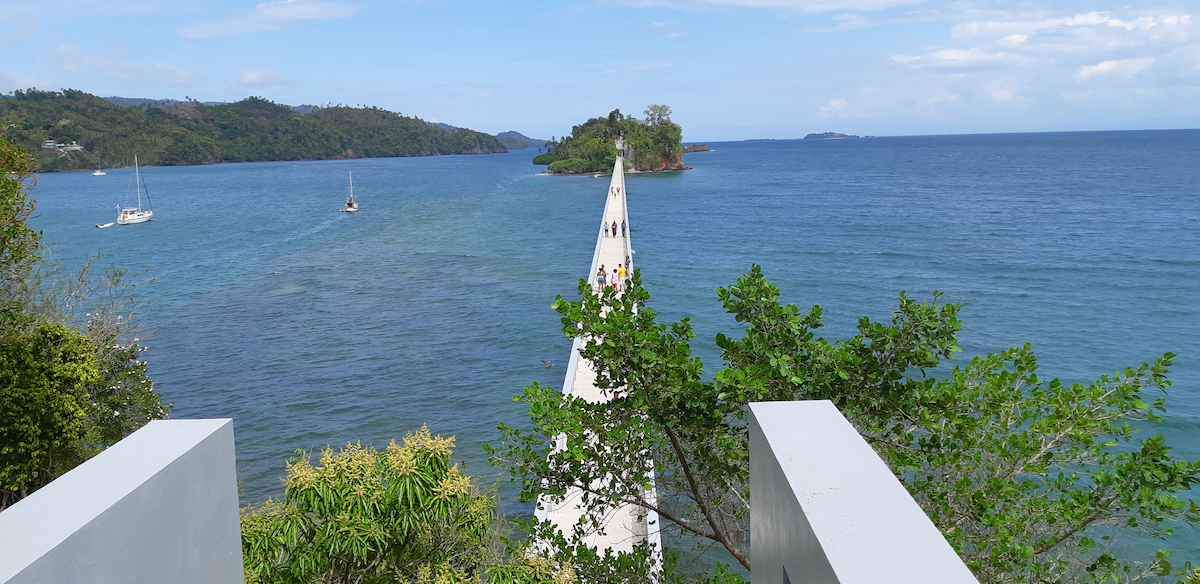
{"x": 43, "y": 373}
{"x": 71, "y": 378}
{"x": 253, "y": 129}
{"x": 570, "y": 165}
{"x": 404, "y": 514}
{"x": 655, "y": 143}
{"x": 19, "y": 245}
{"x": 1029, "y": 480}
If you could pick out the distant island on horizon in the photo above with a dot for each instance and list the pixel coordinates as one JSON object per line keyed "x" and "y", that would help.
{"x": 832, "y": 136}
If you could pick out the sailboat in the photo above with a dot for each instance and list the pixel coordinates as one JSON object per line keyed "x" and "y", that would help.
{"x": 98, "y": 172}
{"x": 131, "y": 215}
{"x": 351, "y": 204}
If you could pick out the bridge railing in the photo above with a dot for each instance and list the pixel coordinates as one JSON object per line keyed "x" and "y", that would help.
{"x": 159, "y": 506}
{"x": 828, "y": 509}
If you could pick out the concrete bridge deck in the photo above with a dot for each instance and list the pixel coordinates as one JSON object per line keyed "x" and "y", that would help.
{"x": 626, "y": 526}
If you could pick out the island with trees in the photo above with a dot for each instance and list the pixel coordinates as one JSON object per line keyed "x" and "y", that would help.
{"x": 653, "y": 144}
{"x": 96, "y": 133}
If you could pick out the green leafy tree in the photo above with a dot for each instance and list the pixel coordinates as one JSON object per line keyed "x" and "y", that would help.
{"x": 19, "y": 244}
{"x": 1025, "y": 478}
{"x": 43, "y": 374}
{"x": 73, "y": 381}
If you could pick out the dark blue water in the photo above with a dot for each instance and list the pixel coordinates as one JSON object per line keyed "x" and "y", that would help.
{"x": 432, "y": 305}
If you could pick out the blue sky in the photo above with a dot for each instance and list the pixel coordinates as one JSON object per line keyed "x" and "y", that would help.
{"x": 730, "y": 69}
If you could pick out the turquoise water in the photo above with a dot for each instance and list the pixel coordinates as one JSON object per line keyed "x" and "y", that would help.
{"x": 432, "y": 305}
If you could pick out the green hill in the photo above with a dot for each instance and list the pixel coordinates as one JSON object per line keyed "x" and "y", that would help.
{"x": 253, "y": 129}
{"x": 518, "y": 141}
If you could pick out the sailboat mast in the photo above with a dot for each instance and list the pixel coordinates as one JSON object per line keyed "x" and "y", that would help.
{"x": 352, "y": 185}
{"x": 137, "y": 182}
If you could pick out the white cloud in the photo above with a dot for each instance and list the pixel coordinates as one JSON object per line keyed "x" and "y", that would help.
{"x": 835, "y": 107}
{"x": 796, "y": 6}
{"x": 18, "y": 23}
{"x": 11, "y": 82}
{"x": 261, "y": 77}
{"x": 71, "y": 59}
{"x": 969, "y": 58}
{"x": 271, "y": 16}
{"x": 1000, "y": 90}
{"x": 1123, "y": 68}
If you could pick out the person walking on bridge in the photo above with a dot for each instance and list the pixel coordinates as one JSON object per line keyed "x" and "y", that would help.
{"x": 622, "y": 228}
{"x": 614, "y": 228}
{"x": 600, "y": 279}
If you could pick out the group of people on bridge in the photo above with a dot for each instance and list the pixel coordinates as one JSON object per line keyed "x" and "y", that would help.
{"x": 616, "y": 280}
{"x": 606, "y": 229}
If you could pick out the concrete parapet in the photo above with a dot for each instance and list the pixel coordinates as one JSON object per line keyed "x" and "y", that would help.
{"x": 827, "y": 509}
{"x": 159, "y": 506}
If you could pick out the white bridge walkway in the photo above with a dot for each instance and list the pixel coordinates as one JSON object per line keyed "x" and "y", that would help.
{"x": 625, "y": 526}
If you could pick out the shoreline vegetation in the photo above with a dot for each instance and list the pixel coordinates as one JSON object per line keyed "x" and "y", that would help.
{"x": 72, "y": 130}
{"x": 651, "y": 145}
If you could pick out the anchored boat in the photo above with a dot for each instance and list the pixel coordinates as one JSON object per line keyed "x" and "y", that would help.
{"x": 131, "y": 215}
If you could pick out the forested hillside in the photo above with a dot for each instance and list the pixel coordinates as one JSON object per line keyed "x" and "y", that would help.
{"x": 253, "y": 129}
{"x": 651, "y": 144}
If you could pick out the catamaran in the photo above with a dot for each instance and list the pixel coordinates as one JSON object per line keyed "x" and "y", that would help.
{"x": 98, "y": 172}
{"x": 131, "y": 215}
{"x": 351, "y": 204}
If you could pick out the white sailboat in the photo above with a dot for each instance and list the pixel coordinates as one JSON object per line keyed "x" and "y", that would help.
{"x": 98, "y": 172}
{"x": 131, "y": 215}
{"x": 351, "y": 204}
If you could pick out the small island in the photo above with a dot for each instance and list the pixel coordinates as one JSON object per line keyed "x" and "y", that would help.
{"x": 695, "y": 148}
{"x": 830, "y": 136}
{"x": 651, "y": 145}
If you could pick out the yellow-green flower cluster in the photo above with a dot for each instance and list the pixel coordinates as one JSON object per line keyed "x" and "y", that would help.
{"x": 453, "y": 486}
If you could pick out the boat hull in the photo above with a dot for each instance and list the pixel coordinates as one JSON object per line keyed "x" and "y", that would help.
{"x": 129, "y": 218}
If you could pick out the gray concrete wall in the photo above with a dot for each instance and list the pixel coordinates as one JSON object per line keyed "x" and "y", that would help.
{"x": 827, "y": 509}
{"x": 159, "y": 506}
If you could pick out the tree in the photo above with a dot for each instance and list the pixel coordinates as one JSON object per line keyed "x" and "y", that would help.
{"x": 657, "y": 114}
{"x": 1023, "y": 477}
{"x": 42, "y": 414}
{"x": 404, "y": 514}
{"x": 72, "y": 381}
{"x": 19, "y": 244}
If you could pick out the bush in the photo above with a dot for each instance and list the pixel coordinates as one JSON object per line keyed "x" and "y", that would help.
{"x": 361, "y": 515}
{"x": 571, "y": 165}
{"x": 546, "y": 158}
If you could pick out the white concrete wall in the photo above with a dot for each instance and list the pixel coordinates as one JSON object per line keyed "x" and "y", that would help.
{"x": 159, "y": 506}
{"x": 827, "y": 509}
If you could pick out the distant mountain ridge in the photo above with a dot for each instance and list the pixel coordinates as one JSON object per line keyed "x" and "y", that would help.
{"x": 518, "y": 141}
{"x": 103, "y": 134}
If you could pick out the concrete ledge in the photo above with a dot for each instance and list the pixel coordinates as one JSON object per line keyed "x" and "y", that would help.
{"x": 159, "y": 506}
{"x": 827, "y": 509}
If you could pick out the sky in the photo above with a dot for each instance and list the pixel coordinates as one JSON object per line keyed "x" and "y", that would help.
{"x": 729, "y": 69}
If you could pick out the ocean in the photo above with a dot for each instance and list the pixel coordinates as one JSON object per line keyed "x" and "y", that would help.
{"x": 431, "y": 305}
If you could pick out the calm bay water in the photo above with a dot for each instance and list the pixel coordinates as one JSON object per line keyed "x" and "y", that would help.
{"x": 311, "y": 327}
